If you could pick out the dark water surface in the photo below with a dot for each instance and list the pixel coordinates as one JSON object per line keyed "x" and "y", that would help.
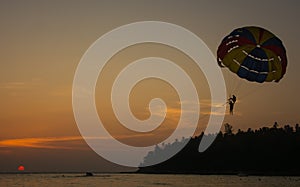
{"x": 32, "y": 180}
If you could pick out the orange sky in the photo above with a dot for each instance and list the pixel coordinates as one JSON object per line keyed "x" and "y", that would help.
{"x": 41, "y": 44}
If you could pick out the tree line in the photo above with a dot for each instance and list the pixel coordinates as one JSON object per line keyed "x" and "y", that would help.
{"x": 264, "y": 151}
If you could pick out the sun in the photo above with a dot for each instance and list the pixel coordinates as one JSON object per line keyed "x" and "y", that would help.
{"x": 21, "y": 168}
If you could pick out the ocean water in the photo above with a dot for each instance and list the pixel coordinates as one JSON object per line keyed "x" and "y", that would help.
{"x": 124, "y": 180}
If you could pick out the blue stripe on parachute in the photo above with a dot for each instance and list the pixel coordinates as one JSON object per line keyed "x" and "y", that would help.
{"x": 255, "y": 65}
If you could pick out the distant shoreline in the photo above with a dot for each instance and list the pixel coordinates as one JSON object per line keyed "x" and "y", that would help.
{"x": 240, "y": 174}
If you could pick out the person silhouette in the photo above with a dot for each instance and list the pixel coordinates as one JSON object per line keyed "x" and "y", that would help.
{"x": 231, "y": 102}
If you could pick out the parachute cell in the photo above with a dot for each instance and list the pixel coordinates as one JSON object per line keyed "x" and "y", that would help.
{"x": 254, "y": 54}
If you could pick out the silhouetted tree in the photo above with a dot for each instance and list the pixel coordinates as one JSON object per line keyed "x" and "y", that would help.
{"x": 228, "y": 129}
{"x": 275, "y": 125}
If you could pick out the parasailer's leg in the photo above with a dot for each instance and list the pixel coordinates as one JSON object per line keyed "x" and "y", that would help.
{"x": 231, "y": 108}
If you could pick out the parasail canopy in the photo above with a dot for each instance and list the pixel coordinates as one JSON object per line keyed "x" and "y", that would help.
{"x": 254, "y": 54}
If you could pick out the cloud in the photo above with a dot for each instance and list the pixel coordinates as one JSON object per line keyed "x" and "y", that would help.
{"x": 21, "y": 84}
{"x": 48, "y": 143}
{"x": 65, "y": 142}
{"x": 18, "y": 88}
{"x": 205, "y": 109}
{"x": 12, "y": 85}
{"x": 215, "y": 113}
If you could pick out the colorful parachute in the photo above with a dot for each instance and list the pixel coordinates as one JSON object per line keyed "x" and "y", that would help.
{"x": 254, "y": 54}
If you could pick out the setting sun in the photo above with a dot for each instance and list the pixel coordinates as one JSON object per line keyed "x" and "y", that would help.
{"x": 21, "y": 168}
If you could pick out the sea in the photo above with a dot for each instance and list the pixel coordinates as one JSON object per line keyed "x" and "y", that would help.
{"x": 140, "y": 180}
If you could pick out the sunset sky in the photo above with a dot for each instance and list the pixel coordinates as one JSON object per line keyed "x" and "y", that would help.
{"x": 42, "y": 42}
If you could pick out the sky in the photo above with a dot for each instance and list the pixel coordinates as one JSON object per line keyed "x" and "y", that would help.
{"x": 42, "y": 42}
